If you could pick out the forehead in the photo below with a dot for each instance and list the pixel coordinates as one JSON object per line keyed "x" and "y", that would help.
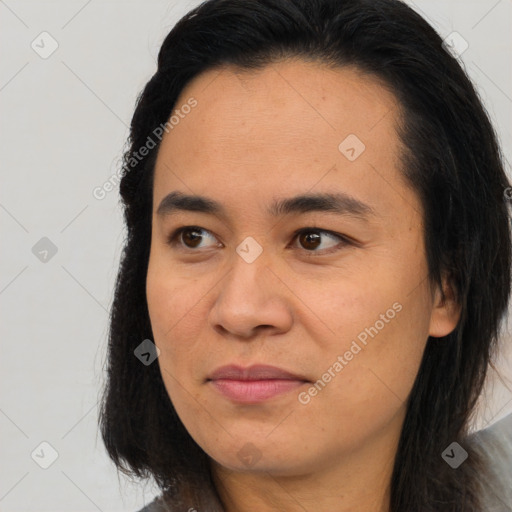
{"x": 285, "y": 126}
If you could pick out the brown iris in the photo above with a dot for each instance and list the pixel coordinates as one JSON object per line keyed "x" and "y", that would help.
{"x": 308, "y": 238}
{"x": 192, "y": 235}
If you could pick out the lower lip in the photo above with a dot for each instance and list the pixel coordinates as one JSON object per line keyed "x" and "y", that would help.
{"x": 254, "y": 391}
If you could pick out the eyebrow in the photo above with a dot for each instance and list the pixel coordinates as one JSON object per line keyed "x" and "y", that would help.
{"x": 339, "y": 203}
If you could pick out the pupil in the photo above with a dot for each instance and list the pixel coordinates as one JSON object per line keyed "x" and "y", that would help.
{"x": 310, "y": 239}
{"x": 192, "y": 235}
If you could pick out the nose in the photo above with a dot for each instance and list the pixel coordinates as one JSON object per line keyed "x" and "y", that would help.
{"x": 252, "y": 299}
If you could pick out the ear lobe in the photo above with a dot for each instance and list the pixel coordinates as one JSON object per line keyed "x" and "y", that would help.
{"x": 445, "y": 311}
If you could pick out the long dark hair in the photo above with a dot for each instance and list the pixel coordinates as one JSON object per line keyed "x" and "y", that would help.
{"x": 451, "y": 159}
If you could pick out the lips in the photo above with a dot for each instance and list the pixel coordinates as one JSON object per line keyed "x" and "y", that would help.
{"x": 255, "y": 372}
{"x": 255, "y": 384}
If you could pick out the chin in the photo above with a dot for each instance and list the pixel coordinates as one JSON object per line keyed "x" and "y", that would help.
{"x": 252, "y": 456}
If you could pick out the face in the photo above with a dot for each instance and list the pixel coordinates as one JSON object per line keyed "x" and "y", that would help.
{"x": 291, "y": 304}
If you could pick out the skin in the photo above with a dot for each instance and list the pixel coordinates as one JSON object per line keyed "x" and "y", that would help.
{"x": 257, "y": 136}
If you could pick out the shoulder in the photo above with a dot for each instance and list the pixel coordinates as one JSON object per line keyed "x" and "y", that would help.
{"x": 494, "y": 445}
{"x": 157, "y": 505}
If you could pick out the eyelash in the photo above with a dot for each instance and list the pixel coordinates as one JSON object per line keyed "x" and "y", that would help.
{"x": 173, "y": 239}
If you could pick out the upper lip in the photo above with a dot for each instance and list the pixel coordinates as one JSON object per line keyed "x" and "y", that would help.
{"x": 254, "y": 372}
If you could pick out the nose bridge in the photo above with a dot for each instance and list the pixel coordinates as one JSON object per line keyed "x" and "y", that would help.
{"x": 246, "y": 280}
{"x": 250, "y": 295}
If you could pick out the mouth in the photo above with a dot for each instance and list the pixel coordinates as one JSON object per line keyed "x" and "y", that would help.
{"x": 254, "y": 384}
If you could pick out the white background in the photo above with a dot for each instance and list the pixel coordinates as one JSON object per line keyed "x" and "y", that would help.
{"x": 64, "y": 123}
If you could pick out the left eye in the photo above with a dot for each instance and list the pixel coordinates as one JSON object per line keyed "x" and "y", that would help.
{"x": 311, "y": 239}
{"x": 190, "y": 237}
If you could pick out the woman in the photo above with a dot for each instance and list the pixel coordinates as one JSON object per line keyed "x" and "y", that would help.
{"x": 318, "y": 246}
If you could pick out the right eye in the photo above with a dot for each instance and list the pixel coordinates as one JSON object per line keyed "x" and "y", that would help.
{"x": 188, "y": 237}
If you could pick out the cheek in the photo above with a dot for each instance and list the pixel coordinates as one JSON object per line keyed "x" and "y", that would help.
{"x": 356, "y": 397}
{"x": 177, "y": 309}
{"x": 380, "y": 331}
{"x": 161, "y": 300}
{"x": 385, "y": 369}
{"x": 171, "y": 299}
{"x": 171, "y": 311}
